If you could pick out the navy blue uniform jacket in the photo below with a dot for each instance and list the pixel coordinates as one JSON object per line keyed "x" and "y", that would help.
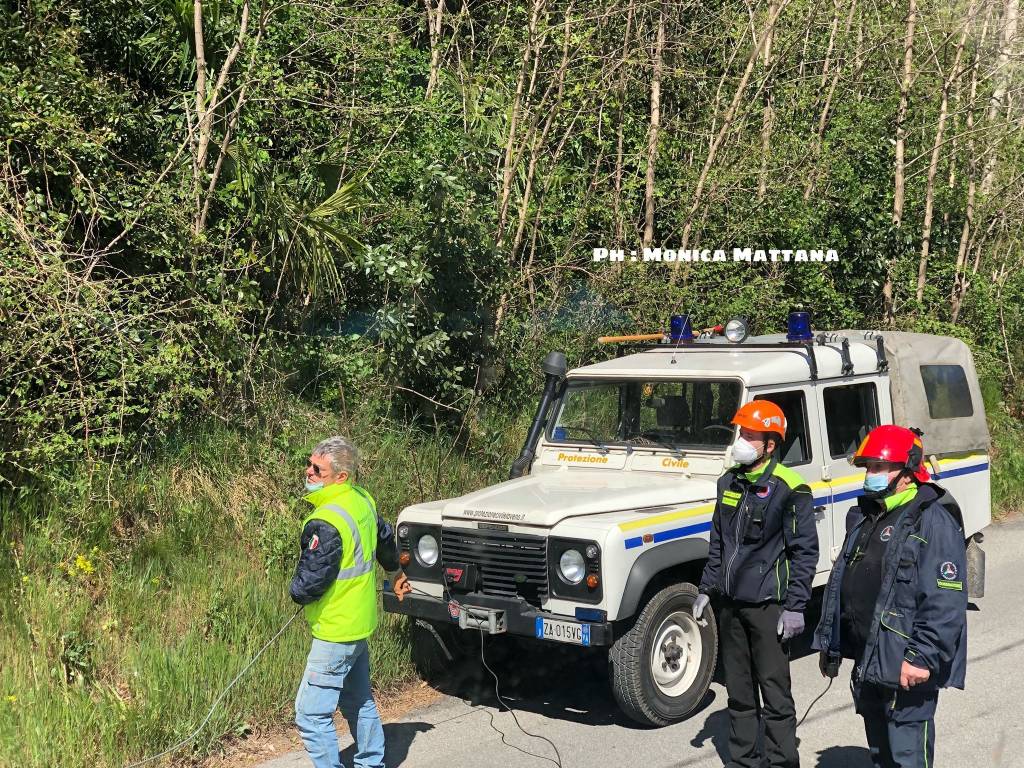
{"x": 920, "y": 615}
{"x": 764, "y": 544}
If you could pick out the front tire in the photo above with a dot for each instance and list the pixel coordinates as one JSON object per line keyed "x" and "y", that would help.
{"x": 661, "y": 668}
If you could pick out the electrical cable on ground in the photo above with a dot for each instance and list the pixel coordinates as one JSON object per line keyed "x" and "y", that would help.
{"x": 556, "y": 761}
{"x": 811, "y": 705}
{"x": 216, "y": 703}
{"x": 231, "y": 685}
{"x": 512, "y": 712}
{"x": 497, "y": 692}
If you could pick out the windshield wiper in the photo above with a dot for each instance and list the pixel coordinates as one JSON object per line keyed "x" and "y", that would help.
{"x": 650, "y": 442}
{"x": 594, "y": 438}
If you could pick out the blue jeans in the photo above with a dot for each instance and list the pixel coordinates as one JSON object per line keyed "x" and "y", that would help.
{"x": 338, "y": 674}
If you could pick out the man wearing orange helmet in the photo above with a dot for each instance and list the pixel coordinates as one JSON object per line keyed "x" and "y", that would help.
{"x": 762, "y": 558}
{"x": 895, "y": 601}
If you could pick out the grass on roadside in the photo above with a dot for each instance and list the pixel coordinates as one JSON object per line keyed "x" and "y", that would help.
{"x": 122, "y": 619}
{"x": 1007, "y": 463}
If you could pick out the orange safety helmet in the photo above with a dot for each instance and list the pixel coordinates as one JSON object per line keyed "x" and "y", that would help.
{"x": 898, "y": 445}
{"x": 761, "y": 416}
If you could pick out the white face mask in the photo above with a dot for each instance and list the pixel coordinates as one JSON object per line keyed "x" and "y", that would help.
{"x": 744, "y": 452}
{"x": 313, "y": 486}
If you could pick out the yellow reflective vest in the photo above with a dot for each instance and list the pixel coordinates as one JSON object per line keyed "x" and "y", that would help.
{"x": 347, "y": 611}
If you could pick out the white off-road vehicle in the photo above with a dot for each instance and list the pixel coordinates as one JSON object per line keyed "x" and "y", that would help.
{"x": 601, "y": 535}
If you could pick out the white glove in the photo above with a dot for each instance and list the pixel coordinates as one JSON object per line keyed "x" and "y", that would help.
{"x": 791, "y": 624}
{"x": 699, "y": 605}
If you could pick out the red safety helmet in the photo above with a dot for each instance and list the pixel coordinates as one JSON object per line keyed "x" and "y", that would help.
{"x": 898, "y": 445}
{"x": 761, "y": 416}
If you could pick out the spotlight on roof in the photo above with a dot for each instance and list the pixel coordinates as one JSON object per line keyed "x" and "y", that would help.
{"x": 737, "y": 330}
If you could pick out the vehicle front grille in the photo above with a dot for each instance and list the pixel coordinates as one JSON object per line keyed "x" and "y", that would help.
{"x": 510, "y": 564}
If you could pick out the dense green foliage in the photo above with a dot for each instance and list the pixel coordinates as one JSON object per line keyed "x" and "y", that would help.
{"x": 389, "y": 192}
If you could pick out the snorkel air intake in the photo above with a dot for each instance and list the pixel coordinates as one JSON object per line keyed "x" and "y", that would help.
{"x": 554, "y": 373}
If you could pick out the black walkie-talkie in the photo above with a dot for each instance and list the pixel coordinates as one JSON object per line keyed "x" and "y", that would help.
{"x": 832, "y": 665}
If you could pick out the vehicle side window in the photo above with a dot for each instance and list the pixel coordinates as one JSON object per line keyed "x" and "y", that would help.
{"x": 946, "y": 388}
{"x": 850, "y": 413}
{"x": 796, "y": 448}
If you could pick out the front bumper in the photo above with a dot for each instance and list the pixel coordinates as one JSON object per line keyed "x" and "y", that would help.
{"x": 520, "y": 618}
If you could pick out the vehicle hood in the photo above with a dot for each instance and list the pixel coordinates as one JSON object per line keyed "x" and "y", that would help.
{"x": 547, "y": 498}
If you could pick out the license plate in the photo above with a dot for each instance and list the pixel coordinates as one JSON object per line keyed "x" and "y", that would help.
{"x": 562, "y": 631}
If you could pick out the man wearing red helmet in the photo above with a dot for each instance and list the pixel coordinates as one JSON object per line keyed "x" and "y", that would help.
{"x": 895, "y": 601}
{"x": 763, "y": 553}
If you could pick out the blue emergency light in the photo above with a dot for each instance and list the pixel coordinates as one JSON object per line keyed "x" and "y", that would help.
{"x": 798, "y": 327}
{"x": 679, "y": 329}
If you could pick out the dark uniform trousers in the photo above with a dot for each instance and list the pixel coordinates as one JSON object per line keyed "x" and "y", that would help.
{"x": 899, "y": 725}
{"x": 753, "y": 660}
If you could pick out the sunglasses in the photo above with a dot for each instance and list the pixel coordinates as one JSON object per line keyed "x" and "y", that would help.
{"x": 316, "y": 470}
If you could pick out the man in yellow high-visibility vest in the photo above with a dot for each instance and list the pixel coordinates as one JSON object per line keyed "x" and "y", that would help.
{"x": 335, "y": 581}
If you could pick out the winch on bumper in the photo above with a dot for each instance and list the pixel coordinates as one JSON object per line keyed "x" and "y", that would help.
{"x": 498, "y": 615}
{"x": 496, "y": 580}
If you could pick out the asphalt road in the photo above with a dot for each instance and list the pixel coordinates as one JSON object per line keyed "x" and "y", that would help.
{"x": 567, "y": 700}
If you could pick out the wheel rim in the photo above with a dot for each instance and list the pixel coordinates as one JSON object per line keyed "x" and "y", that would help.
{"x": 676, "y": 654}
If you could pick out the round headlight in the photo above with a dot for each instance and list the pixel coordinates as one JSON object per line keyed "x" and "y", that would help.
{"x": 736, "y": 330}
{"x": 572, "y": 566}
{"x": 403, "y": 531}
{"x": 592, "y": 551}
{"x": 427, "y": 550}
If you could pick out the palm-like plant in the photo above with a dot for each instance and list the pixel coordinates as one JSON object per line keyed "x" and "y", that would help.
{"x": 310, "y": 240}
{"x": 305, "y": 236}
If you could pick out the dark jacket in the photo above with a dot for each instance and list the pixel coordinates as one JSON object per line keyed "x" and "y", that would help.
{"x": 764, "y": 543}
{"x": 921, "y": 612}
{"x": 320, "y": 558}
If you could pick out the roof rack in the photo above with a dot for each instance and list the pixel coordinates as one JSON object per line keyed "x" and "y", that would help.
{"x": 683, "y": 346}
{"x": 824, "y": 339}
{"x": 883, "y": 361}
{"x": 704, "y": 340}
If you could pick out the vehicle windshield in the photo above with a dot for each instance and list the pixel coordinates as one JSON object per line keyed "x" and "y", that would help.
{"x": 675, "y": 414}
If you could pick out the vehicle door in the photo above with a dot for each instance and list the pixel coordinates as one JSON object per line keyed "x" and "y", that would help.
{"x": 802, "y": 445}
{"x": 848, "y": 409}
